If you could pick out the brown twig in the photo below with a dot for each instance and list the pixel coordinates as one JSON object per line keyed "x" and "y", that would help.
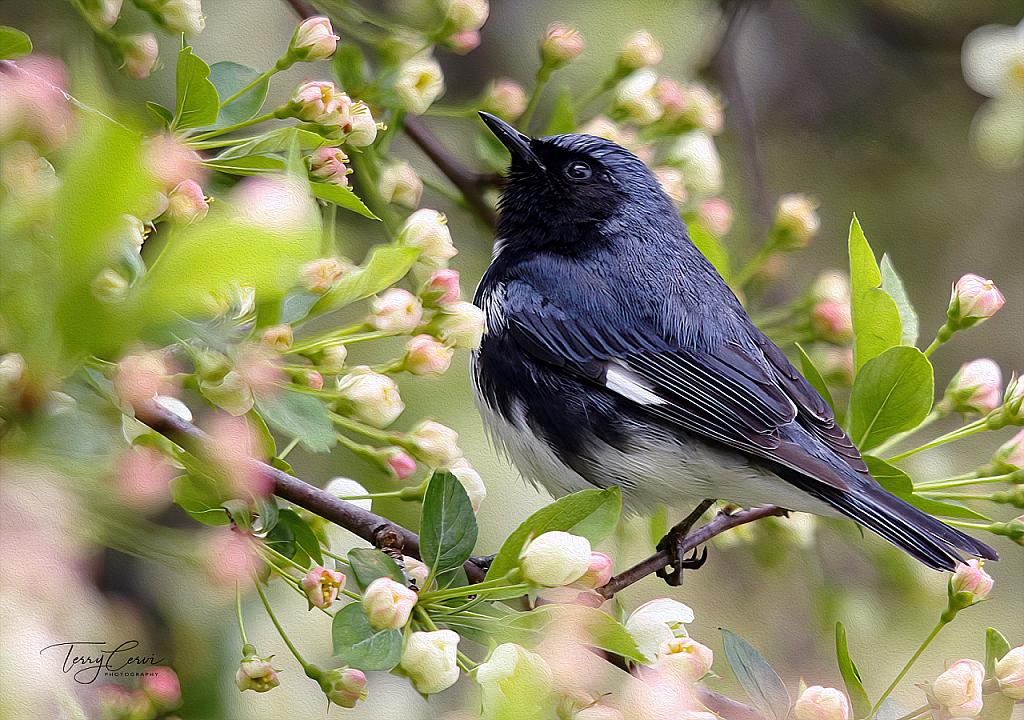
{"x": 377, "y": 530}
{"x": 719, "y": 524}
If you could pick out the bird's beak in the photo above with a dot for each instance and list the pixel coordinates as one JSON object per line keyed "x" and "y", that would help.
{"x": 517, "y": 143}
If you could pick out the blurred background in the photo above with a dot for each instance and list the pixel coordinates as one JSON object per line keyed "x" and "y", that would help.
{"x": 860, "y": 104}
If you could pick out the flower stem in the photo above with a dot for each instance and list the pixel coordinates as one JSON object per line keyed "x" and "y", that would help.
{"x": 966, "y": 431}
{"x": 265, "y": 76}
{"x": 238, "y": 610}
{"x": 943, "y": 620}
{"x": 236, "y": 126}
{"x": 543, "y": 75}
{"x": 964, "y": 480}
{"x": 284, "y": 636}
{"x": 288, "y": 448}
{"x": 898, "y": 437}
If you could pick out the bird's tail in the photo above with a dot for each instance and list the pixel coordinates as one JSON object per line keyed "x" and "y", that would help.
{"x": 915, "y": 532}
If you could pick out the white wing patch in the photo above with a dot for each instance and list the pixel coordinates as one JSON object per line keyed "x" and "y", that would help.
{"x": 623, "y": 381}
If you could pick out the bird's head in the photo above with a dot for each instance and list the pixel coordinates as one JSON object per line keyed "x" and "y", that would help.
{"x": 570, "y": 182}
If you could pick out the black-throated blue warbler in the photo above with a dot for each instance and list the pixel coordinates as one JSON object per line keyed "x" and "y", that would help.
{"x": 616, "y": 355}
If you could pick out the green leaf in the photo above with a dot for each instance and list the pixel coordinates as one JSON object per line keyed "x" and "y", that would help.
{"x": 350, "y": 67}
{"x": 304, "y": 536}
{"x": 995, "y": 647}
{"x": 277, "y": 140}
{"x": 592, "y": 514}
{"x": 814, "y": 377}
{"x": 299, "y": 415}
{"x": 14, "y": 44}
{"x": 268, "y": 513}
{"x": 246, "y": 165}
{"x": 876, "y": 319}
{"x": 368, "y": 564}
{"x": 447, "y": 524}
{"x": 563, "y": 119}
{"x": 899, "y": 484}
{"x": 341, "y": 196}
{"x": 711, "y": 248}
{"x": 160, "y": 113}
{"x": 230, "y": 77}
{"x": 199, "y": 498}
{"x": 485, "y": 630}
{"x": 762, "y": 684}
{"x": 197, "y": 100}
{"x": 601, "y": 629}
{"x": 267, "y": 446}
{"x": 891, "y": 393}
{"x": 892, "y": 283}
{"x": 383, "y": 267}
{"x": 358, "y": 645}
{"x": 851, "y": 676}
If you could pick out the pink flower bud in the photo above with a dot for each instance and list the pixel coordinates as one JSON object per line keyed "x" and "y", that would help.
{"x": 640, "y": 51}
{"x": 388, "y": 604}
{"x": 313, "y": 379}
{"x": 466, "y": 14}
{"x": 471, "y": 482}
{"x": 686, "y": 659}
{"x": 821, "y": 703}
{"x": 671, "y": 181}
{"x": 832, "y": 321}
{"x": 461, "y": 325}
{"x": 443, "y": 287}
{"x": 318, "y": 276}
{"x": 976, "y": 388}
{"x": 184, "y": 16}
{"x": 958, "y": 689}
{"x": 139, "y": 54}
{"x": 162, "y": 686}
{"x": 327, "y": 164}
{"x": 634, "y": 97}
{"x": 322, "y": 586}
{"x": 396, "y": 311}
{"x": 715, "y": 216}
{"x": 400, "y": 464}
{"x": 317, "y": 99}
{"x": 599, "y": 572}
{"x": 703, "y": 109}
{"x": 560, "y": 46}
{"x": 345, "y": 687}
{"x": 426, "y": 356}
{"x": 400, "y": 184}
{"x": 186, "y": 203}
{"x": 314, "y": 39}
{"x": 256, "y": 673}
{"x": 419, "y": 82}
{"x": 417, "y": 570}
{"x": 971, "y": 578}
{"x": 103, "y": 13}
{"x": 506, "y": 99}
{"x": 831, "y": 285}
{"x": 796, "y": 221}
{"x": 555, "y": 558}
{"x": 170, "y": 162}
{"x": 974, "y": 299}
{"x": 1010, "y": 455}
{"x": 436, "y": 444}
{"x": 1010, "y": 673}
{"x": 463, "y": 42}
{"x": 278, "y": 338}
{"x": 374, "y": 397}
{"x": 32, "y": 104}
{"x": 429, "y": 659}
{"x": 427, "y": 230}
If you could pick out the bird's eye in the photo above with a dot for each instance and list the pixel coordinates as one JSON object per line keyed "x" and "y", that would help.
{"x": 578, "y": 170}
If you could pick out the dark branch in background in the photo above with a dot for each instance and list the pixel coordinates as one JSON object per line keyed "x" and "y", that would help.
{"x": 718, "y": 524}
{"x": 377, "y": 530}
{"x": 302, "y": 8}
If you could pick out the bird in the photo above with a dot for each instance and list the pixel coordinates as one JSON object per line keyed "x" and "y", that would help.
{"x": 615, "y": 354}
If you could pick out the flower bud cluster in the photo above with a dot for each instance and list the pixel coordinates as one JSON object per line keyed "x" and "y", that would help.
{"x": 340, "y": 118}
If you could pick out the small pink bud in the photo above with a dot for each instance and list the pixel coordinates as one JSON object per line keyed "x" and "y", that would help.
{"x": 974, "y": 299}
{"x": 427, "y": 230}
{"x": 278, "y": 338}
{"x": 821, "y": 703}
{"x": 672, "y": 182}
{"x": 139, "y": 54}
{"x": 400, "y": 184}
{"x": 327, "y": 164}
{"x": 388, "y": 604}
{"x": 1010, "y": 673}
{"x": 463, "y": 42}
{"x": 640, "y": 51}
{"x": 1010, "y": 455}
{"x": 186, "y": 203}
{"x": 314, "y": 39}
{"x": 685, "y": 659}
{"x": 314, "y": 100}
{"x": 430, "y": 660}
{"x": 971, "y": 578}
{"x": 396, "y": 311}
{"x": 976, "y": 388}
{"x": 373, "y": 396}
{"x": 506, "y": 99}
{"x": 143, "y": 476}
{"x": 466, "y": 14}
{"x": 318, "y": 276}
{"x": 599, "y": 572}
{"x": 796, "y": 221}
{"x": 443, "y": 287}
{"x": 436, "y": 444}
{"x": 255, "y": 673}
{"x": 426, "y": 356}
{"x": 958, "y": 689}
{"x": 322, "y": 586}
{"x": 560, "y": 46}
{"x": 555, "y": 558}
{"x": 832, "y": 321}
{"x": 419, "y": 83}
{"x": 162, "y": 686}
{"x": 471, "y": 481}
{"x": 401, "y": 465}
{"x": 715, "y": 216}
{"x": 461, "y": 325}
{"x": 313, "y": 379}
{"x": 345, "y": 687}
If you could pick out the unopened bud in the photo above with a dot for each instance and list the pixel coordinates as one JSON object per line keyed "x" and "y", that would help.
{"x": 396, "y": 311}
{"x": 796, "y": 222}
{"x": 388, "y": 604}
{"x": 506, "y": 99}
{"x": 362, "y": 128}
{"x": 976, "y": 388}
{"x": 821, "y": 703}
{"x": 139, "y": 54}
{"x": 696, "y": 155}
{"x": 427, "y": 230}
{"x": 1010, "y": 673}
{"x": 255, "y": 673}
{"x": 971, "y": 578}
{"x": 416, "y": 570}
{"x": 102, "y": 13}
{"x": 314, "y": 39}
{"x": 555, "y": 558}
{"x": 634, "y": 97}
{"x": 832, "y": 322}
{"x": 318, "y": 276}
{"x": 333, "y": 357}
{"x": 436, "y": 444}
{"x": 599, "y": 572}
{"x": 400, "y": 464}
{"x": 715, "y": 216}
{"x": 400, "y": 184}
{"x": 426, "y": 356}
{"x": 640, "y": 51}
{"x": 461, "y": 325}
{"x": 560, "y": 46}
{"x": 344, "y": 687}
{"x": 442, "y": 288}
{"x": 374, "y": 397}
{"x": 471, "y": 482}
{"x": 1013, "y": 401}
{"x": 466, "y": 14}
{"x": 1010, "y": 455}
{"x": 958, "y": 690}
{"x": 186, "y": 203}
{"x": 463, "y": 42}
{"x": 313, "y": 379}
{"x": 184, "y": 16}
{"x": 687, "y": 660}
{"x": 327, "y": 164}
{"x": 279, "y": 337}
{"x": 430, "y": 660}
{"x": 419, "y": 82}
{"x": 974, "y": 299}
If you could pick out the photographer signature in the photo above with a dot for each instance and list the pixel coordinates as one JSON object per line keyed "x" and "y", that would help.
{"x": 85, "y": 660}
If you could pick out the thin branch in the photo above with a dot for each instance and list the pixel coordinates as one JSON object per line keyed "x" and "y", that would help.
{"x": 302, "y": 8}
{"x": 719, "y": 524}
{"x": 377, "y": 530}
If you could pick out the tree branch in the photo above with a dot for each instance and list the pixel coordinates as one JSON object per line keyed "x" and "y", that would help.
{"x": 377, "y": 530}
{"x": 717, "y": 525}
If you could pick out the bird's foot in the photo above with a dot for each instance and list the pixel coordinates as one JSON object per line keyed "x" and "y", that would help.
{"x": 674, "y": 543}
{"x": 482, "y": 561}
